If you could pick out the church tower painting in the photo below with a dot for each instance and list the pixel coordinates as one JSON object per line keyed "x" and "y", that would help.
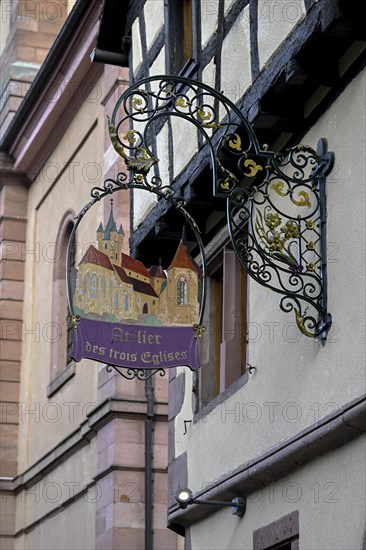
{"x": 182, "y": 288}
{"x": 112, "y": 286}
{"x": 111, "y": 240}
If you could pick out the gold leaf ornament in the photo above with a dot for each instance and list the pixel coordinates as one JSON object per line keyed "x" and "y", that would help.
{"x": 73, "y": 320}
{"x": 140, "y": 163}
{"x": 136, "y": 104}
{"x": 300, "y": 321}
{"x": 235, "y": 143}
{"x": 213, "y": 125}
{"x": 303, "y": 201}
{"x": 253, "y": 168}
{"x": 181, "y": 102}
{"x": 204, "y": 115}
{"x": 225, "y": 185}
{"x": 114, "y": 140}
{"x": 130, "y": 136}
{"x": 277, "y": 187}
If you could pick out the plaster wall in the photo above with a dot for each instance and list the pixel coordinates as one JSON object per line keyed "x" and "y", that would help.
{"x": 328, "y": 493}
{"x": 209, "y": 17}
{"x": 184, "y": 144}
{"x": 68, "y": 480}
{"x": 5, "y": 17}
{"x": 297, "y": 381}
{"x": 276, "y": 20}
{"x": 136, "y": 45}
{"x": 158, "y": 67}
{"x": 162, "y": 146}
{"x": 73, "y": 529}
{"x": 154, "y": 15}
{"x": 235, "y": 59}
{"x": 208, "y": 74}
{"x": 63, "y": 183}
{"x": 228, "y": 5}
{"x": 144, "y": 202}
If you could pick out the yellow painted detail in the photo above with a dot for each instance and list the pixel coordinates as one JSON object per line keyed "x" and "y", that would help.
{"x": 235, "y": 143}
{"x": 253, "y": 168}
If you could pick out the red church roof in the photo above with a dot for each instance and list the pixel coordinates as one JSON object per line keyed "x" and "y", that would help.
{"x": 94, "y": 256}
{"x": 183, "y": 259}
{"x": 130, "y": 264}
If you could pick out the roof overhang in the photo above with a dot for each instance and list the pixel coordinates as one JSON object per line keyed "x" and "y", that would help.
{"x": 113, "y": 40}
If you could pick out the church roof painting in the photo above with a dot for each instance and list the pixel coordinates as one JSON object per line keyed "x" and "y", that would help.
{"x": 157, "y": 271}
{"x": 130, "y": 264}
{"x": 183, "y": 260}
{"x": 95, "y": 257}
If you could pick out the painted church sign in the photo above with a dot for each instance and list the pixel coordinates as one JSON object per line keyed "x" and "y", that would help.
{"x": 126, "y": 315}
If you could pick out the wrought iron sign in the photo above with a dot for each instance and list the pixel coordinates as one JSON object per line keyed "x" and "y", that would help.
{"x": 276, "y": 202}
{"x": 135, "y": 321}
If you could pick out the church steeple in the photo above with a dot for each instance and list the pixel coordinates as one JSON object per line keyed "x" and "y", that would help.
{"x": 111, "y": 239}
{"x": 111, "y": 225}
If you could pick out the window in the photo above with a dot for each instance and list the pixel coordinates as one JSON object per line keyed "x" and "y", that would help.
{"x": 61, "y": 368}
{"x": 179, "y": 27}
{"x": 223, "y": 345}
{"x": 70, "y": 330}
{"x": 94, "y": 285}
{"x": 126, "y": 302}
{"x": 182, "y": 291}
{"x": 282, "y": 534}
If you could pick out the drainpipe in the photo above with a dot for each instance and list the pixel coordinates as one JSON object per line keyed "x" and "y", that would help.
{"x": 149, "y": 505}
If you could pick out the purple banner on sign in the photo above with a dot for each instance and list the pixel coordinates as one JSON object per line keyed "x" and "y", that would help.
{"x": 135, "y": 346}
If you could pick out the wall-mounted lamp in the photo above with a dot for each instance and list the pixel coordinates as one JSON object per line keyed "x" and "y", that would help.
{"x": 185, "y": 498}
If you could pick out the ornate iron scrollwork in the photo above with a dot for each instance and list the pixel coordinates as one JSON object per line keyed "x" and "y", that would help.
{"x": 278, "y": 231}
{"x": 276, "y": 202}
{"x": 139, "y": 374}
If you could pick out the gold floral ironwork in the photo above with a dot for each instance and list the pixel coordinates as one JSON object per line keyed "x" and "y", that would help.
{"x": 270, "y": 236}
{"x": 73, "y": 320}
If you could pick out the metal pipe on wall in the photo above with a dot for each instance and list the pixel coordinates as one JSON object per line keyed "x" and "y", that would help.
{"x": 149, "y": 497}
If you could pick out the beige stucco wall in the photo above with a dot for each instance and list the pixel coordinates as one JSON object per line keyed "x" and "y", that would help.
{"x": 154, "y": 17}
{"x": 68, "y": 480}
{"x": 297, "y": 378}
{"x": 328, "y": 493}
{"x": 235, "y": 59}
{"x": 276, "y": 20}
{"x": 6, "y": 9}
{"x": 63, "y": 183}
{"x": 136, "y": 45}
{"x": 74, "y": 528}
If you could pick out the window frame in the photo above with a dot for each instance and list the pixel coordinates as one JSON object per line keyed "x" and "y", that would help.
{"x": 181, "y": 20}
{"x": 62, "y": 368}
{"x": 278, "y": 533}
{"x": 219, "y": 382}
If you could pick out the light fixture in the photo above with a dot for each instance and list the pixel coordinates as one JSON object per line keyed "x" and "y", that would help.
{"x": 185, "y": 498}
